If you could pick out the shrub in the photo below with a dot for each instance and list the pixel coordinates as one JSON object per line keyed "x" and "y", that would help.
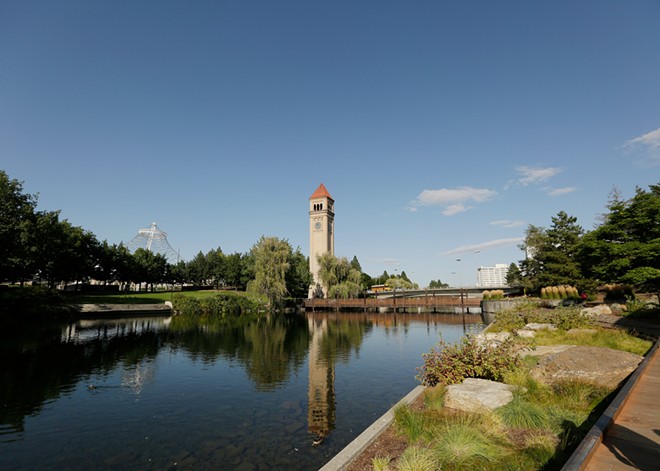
{"x": 563, "y": 318}
{"x": 416, "y": 458}
{"x": 381, "y": 463}
{"x": 618, "y": 292}
{"x": 465, "y": 446}
{"x": 451, "y": 364}
{"x": 223, "y": 305}
{"x": 493, "y": 294}
{"x": 522, "y": 414}
{"x": 559, "y": 292}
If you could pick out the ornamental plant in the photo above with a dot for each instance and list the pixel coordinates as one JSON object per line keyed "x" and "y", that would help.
{"x": 492, "y": 294}
{"x": 452, "y": 363}
{"x": 559, "y": 292}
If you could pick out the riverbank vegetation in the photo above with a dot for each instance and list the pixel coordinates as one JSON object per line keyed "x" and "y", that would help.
{"x": 539, "y": 429}
{"x": 40, "y": 248}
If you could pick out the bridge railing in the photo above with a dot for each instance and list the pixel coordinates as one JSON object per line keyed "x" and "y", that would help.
{"x": 394, "y": 302}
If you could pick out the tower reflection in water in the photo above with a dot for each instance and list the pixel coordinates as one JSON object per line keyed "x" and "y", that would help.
{"x": 321, "y": 407}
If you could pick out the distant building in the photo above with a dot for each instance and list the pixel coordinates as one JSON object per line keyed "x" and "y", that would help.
{"x": 492, "y": 277}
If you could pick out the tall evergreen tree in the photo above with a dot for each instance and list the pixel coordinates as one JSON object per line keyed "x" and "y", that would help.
{"x": 625, "y": 248}
{"x": 551, "y": 255}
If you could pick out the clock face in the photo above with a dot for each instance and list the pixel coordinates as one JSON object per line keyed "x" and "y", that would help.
{"x": 317, "y": 225}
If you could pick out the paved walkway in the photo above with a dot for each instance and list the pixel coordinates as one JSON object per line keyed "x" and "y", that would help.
{"x": 633, "y": 439}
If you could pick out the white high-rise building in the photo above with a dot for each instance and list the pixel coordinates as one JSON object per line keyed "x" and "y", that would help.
{"x": 492, "y": 277}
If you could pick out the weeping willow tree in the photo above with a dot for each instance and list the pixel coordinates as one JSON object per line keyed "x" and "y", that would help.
{"x": 340, "y": 277}
{"x": 271, "y": 262}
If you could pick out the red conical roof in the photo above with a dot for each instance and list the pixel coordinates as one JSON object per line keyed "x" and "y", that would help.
{"x": 321, "y": 192}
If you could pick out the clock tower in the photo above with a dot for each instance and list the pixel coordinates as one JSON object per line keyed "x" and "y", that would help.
{"x": 321, "y": 235}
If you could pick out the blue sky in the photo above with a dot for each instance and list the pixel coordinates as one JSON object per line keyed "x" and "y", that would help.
{"x": 439, "y": 128}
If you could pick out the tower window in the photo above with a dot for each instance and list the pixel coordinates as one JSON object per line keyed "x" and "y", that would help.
{"x": 318, "y": 207}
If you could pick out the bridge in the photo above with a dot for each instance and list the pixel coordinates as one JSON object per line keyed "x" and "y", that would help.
{"x": 427, "y": 300}
{"x": 468, "y": 290}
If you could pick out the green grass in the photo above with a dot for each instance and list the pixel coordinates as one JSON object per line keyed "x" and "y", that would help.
{"x": 381, "y": 463}
{"x": 610, "y": 338}
{"x": 144, "y": 298}
{"x": 434, "y": 397}
{"x": 410, "y": 423}
{"x": 416, "y": 458}
{"x": 536, "y": 431}
{"x": 521, "y": 413}
{"x": 463, "y": 443}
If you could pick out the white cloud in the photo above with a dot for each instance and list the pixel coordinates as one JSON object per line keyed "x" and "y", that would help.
{"x": 646, "y": 147}
{"x": 483, "y": 246}
{"x": 453, "y": 200}
{"x": 454, "y": 209}
{"x": 530, "y": 175}
{"x": 507, "y": 223}
{"x": 561, "y": 191}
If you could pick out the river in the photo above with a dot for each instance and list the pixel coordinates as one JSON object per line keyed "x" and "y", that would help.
{"x": 284, "y": 392}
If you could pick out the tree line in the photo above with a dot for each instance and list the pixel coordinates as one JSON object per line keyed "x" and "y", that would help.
{"x": 624, "y": 248}
{"x": 41, "y": 247}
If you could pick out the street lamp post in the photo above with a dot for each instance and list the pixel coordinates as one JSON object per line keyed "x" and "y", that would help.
{"x": 460, "y": 287}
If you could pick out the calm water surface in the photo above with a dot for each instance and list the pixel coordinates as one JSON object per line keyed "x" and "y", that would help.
{"x": 160, "y": 393}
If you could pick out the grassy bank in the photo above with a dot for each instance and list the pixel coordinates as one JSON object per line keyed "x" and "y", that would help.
{"x": 195, "y": 304}
{"x": 538, "y": 430}
{"x": 141, "y": 298}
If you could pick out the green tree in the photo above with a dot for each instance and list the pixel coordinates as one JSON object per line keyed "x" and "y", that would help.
{"x": 298, "y": 277}
{"x": 437, "y": 284}
{"x": 271, "y": 263}
{"x": 400, "y": 282}
{"x": 234, "y": 271}
{"x": 340, "y": 278}
{"x": 552, "y": 254}
{"x": 149, "y": 268}
{"x": 216, "y": 267}
{"x": 530, "y": 267}
{"x": 197, "y": 270}
{"x": 17, "y": 219}
{"x": 625, "y": 248}
{"x": 62, "y": 252}
{"x": 513, "y": 275}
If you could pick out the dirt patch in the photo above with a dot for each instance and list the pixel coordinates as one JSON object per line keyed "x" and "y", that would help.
{"x": 389, "y": 443}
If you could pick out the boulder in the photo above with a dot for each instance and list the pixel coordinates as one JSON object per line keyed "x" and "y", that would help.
{"x": 534, "y": 326}
{"x": 525, "y": 333}
{"x": 491, "y": 339}
{"x": 597, "y": 365}
{"x": 618, "y": 307}
{"x": 474, "y": 394}
{"x": 596, "y": 310}
{"x": 544, "y": 350}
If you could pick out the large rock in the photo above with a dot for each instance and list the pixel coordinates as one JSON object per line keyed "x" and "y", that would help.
{"x": 474, "y": 394}
{"x": 537, "y": 326}
{"x": 543, "y": 350}
{"x": 491, "y": 339}
{"x": 596, "y": 310}
{"x": 597, "y": 365}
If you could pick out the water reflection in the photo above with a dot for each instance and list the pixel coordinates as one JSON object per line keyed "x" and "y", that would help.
{"x": 230, "y": 380}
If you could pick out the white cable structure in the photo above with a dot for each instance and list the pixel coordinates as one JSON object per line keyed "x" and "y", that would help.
{"x": 154, "y": 240}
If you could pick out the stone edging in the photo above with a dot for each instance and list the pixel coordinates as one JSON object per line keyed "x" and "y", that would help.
{"x": 366, "y": 438}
